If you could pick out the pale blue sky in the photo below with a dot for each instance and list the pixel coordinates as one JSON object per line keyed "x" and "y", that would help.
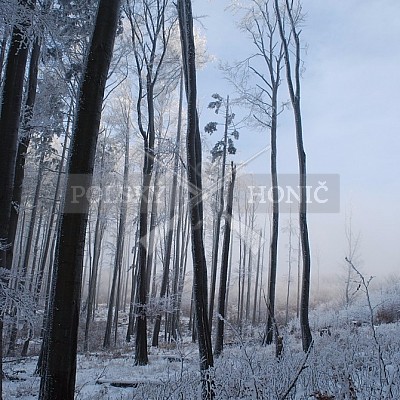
{"x": 351, "y": 115}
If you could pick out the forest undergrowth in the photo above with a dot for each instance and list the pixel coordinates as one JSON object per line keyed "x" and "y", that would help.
{"x": 343, "y": 363}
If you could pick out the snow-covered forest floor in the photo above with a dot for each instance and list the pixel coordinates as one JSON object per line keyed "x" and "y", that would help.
{"x": 345, "y": 364}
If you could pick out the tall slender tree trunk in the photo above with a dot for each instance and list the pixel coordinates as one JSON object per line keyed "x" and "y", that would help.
{"x": 141, "y": 357}
{"x": 114, "y": 294}
{"x": 37, "y": 247}
{"x": 10, "y": 112}
{"x": 171, "y": 217}
{"x": 257, "y": 278}
{"x": 181, "y": 261}
{"x": 153, "y": 227}
{"x": 290, "y": 251}
{"x": 53, "y": 212}
{"x": 229, "y": 273}
{"x": 273, "y": 248}
{"x": 294, "y": 92}
{"x": 122, "y": 225}
{"x": 240, "y": 286}
{"x": 131, "y": 319}
{"x": 22, "y": 270}
{"x": 3, "y": 46}
{"x": 58, "y": 383}
{"x": 193, "y": 144}
{"x": 19, "y": 172}
{"x": 250, "y": 265}
{"x": 98, "y": 238}
{"x": 219, "y": 344}
{"x": 217, "y": 228}
{"x": 31, "y": 289}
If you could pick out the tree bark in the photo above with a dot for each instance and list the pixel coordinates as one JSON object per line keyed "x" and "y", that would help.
{"x": 171, "y": 218}
{"x": 219, "y": 344}
{"x": 9, "y": 125}
{"x": 59, "y": 379}
{"x": 294, "y": 92}
{"x": 220, "y": 209}
{"x": 22, "y": 270}
{"x": 193, "y": 145}
{"x": 98, "y": 238}
{"x": 273, "y": 248}
{"x": 114, "y": 295}
{"x": 19, "y": 172}
{"x": 257, "y": 278}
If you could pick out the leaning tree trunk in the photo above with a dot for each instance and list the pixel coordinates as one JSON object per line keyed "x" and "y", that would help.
{"x": 9, "y": 126}
{"x": 294, "y": 92}
{"x": 193, "y": 145}
{"x": 59, "y": 379}
{"x": 219, "y": 344}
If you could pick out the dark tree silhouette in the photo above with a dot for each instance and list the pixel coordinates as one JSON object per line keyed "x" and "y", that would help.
{"x": 58, "y": 381}
{"x": 219, "y": 343}
{"x": 9, "y": 126}
{"x": 220, "y": 150}
{"x": 193, "y": 147}
{"x": 293, "y": 81}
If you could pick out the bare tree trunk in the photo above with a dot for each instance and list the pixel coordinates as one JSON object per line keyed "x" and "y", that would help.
{"x": 98, "y": 238}
{"x": 298, "y": 277}
{"x": 219, "y": 344}
{"x": 290, "y": 250}
{"x": 261, "y": 290}
{"x": 23, "y": 269}
{"x": 229, "y": 273}
{"x": 257, "y": 278}
{"x": 273, "y": 248}
{"x": 49, "y": 233}
{"x": 24, "y": 141}
{"x": 181, "y": 260}
{"x": 171, "y": 217}
{"x": 153, "y": 226}
{"x": 9, "y": 126}
{"x": 32, "y": 221}
{"x": 294, "y": 91}
{"x": 241, "y": 270}
{"x": 42, "y": 360}
{"x": 149, "y": 46}
{"x": 131, "y": 320}
{"x": 3, "y": 47}
{"x": 193, "y": 143}
{"x": 37, "y": 250}
{"x": 141, "y": 357}
{"x": 114, "y": 295}
{"x": 250, "y": 265}
{"x": 220, "y": 209}
{"x": 59, "y": 380}
{"x": 25, "y": 347}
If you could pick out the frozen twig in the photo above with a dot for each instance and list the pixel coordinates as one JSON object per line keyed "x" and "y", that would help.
{"x": 302, "y": 367}
{"x": 364, "y": 283}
